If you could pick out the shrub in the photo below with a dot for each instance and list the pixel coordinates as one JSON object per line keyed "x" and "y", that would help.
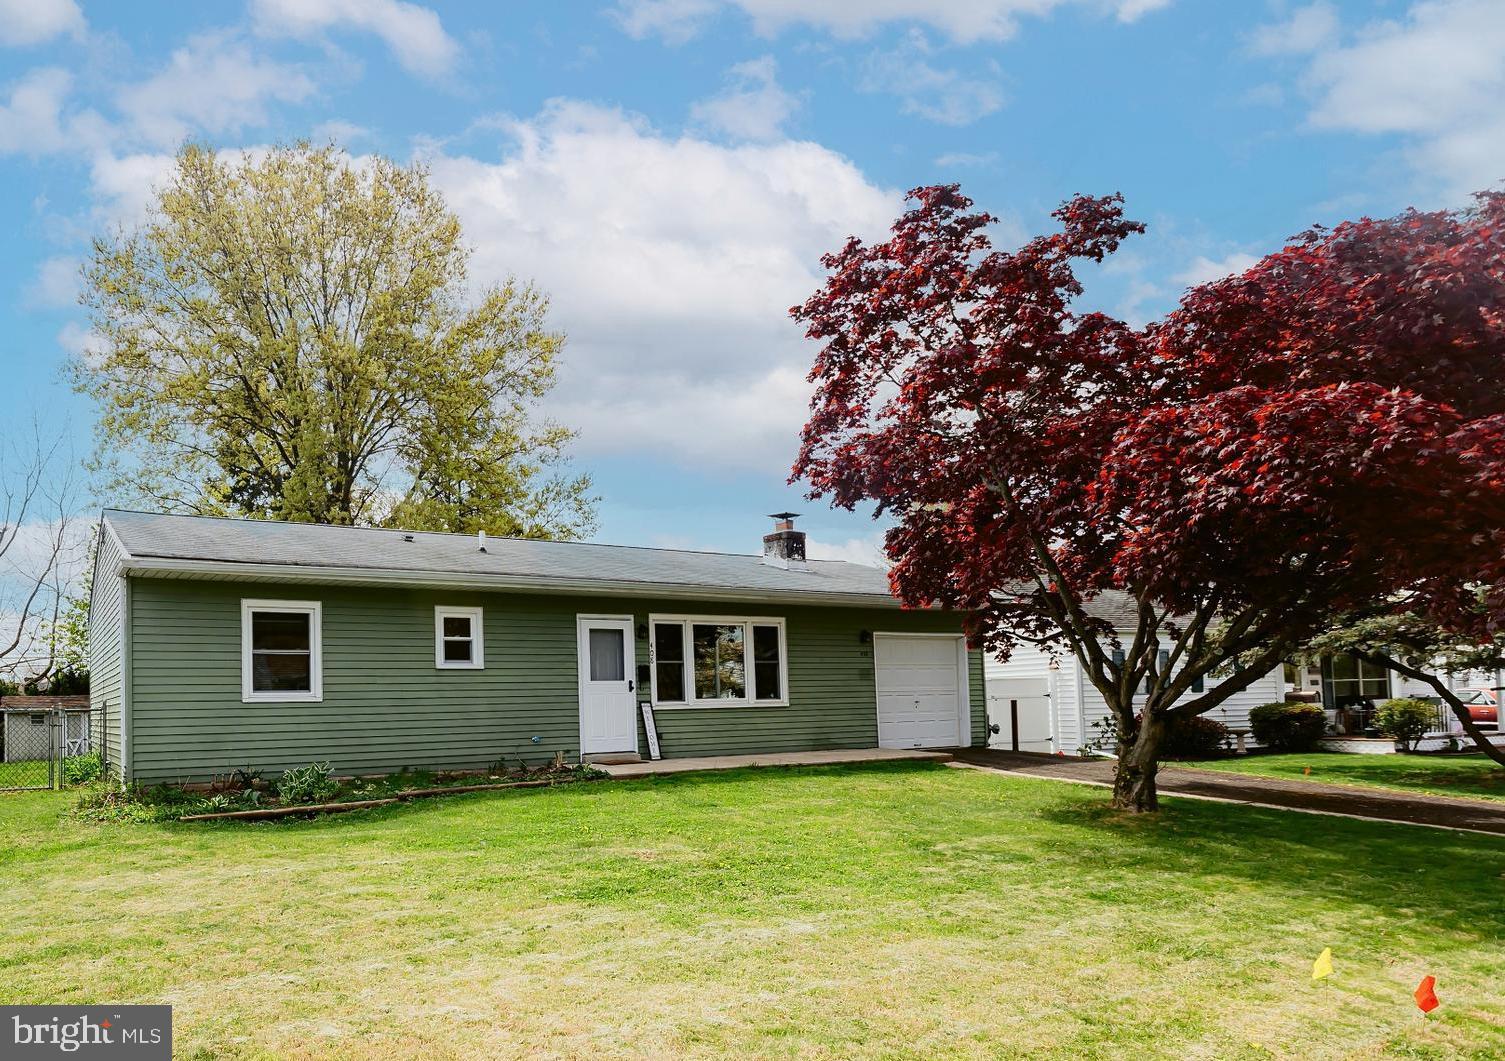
{"x": 81, "y": 769}
{"x": 1405, "y": 719}
{"x": 307, "y": 784}
{"x": 1287, "y": 726}
{"x": 1194, "y": 737}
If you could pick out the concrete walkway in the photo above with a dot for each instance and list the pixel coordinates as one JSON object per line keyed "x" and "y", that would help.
{"x": 735, "y": 762}
{"x": 1440, "y": 812}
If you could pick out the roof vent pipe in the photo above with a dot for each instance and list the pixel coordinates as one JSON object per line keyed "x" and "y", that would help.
{"x": 481, "y": 538}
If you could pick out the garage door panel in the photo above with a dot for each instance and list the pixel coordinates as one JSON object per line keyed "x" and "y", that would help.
{"x": 919, "y": 691}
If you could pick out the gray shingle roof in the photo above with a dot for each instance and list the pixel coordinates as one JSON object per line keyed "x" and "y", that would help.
{"x": 183, "y": 541}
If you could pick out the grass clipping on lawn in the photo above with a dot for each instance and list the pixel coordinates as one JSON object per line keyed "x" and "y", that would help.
{"x": 893, "y": 910}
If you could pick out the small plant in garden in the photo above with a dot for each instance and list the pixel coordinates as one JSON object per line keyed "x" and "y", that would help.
{"x": 307, "y": 784}
{"x": 1406, "y": 719}
{"x": 1288, "y": 726}
{"x": 82, "y": 769}
{"x": 1191, "y": 737}
{"x": 1194, "y": 737}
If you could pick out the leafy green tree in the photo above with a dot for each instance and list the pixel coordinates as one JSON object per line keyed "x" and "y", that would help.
{"x": 293, "y": 336}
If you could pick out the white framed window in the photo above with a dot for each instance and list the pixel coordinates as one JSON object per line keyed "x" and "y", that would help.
{"x": 458, "y": 639}
{"x": 718, "y": 661}
{"x": 281, "y": 660}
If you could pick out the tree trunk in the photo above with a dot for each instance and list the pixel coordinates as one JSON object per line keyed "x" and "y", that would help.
{"x": 1134, "y": 780}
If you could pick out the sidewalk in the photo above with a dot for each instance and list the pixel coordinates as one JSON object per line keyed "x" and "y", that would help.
{"x": 1440, "y": 812}
{"x": 735, "y": 762}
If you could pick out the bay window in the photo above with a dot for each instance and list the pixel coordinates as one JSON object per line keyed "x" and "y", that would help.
{"x": 706, "y": 661}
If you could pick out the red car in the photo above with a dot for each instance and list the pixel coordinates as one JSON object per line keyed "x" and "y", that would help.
{"x": 1481, "y": 706}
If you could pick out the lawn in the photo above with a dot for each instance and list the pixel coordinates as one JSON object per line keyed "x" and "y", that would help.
{"x": 28, "y": 773}
{"x": 1453, "y": 775}
{"x": 895, "y": 910}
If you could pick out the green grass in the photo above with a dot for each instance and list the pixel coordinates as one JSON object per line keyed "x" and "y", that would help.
{"x": 898, "y": 910}
{"x": 1453, "y": 775}
{"x": 27, "y": 773}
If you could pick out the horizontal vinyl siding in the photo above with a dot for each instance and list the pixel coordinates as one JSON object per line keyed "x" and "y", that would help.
{"x": 385, "y": 705}
{"x": 106, "y": 602}
{"x": 1233, "y": 712}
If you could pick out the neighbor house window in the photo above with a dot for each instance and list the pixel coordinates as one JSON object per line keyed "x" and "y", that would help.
{"x": 703, "y": 661}
{"x": 280, "y": 651}
{"x": 1348, "y": 680}
{"x": 457, "y": 639}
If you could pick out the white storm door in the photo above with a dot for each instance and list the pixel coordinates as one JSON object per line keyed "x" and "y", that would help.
{"x": 919, "y": 690}
{"x": 608, "y": 708}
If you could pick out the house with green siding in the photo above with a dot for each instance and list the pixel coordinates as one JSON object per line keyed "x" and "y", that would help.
{"x": 226, "y": 644}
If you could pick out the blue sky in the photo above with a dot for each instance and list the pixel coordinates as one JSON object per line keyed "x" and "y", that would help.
{"x": 670, "y": 170}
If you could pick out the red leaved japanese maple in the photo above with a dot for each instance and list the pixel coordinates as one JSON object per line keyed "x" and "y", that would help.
{"x": 1321, "y": 436}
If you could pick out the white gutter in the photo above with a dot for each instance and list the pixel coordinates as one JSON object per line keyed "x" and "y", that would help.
{"x": 170, "y": 567}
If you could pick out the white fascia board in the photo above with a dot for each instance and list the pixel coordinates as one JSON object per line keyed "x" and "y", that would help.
{"x": 228, "y": 570}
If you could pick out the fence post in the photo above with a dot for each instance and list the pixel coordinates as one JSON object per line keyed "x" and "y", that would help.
{"x": 1014, "y": 723}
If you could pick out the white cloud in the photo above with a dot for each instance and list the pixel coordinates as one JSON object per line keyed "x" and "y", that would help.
{"x": 337, "y": 131}
{"x": 1435, "y": 77}
{"x": 56, "y": 284}
{"x": 1134, "y": 10}
{"x": 123, "y": 186}
{"x": 1308, "y": 29}
{"x": 77, "y": 340}
{"x": 958, "y": 159}
{"x": 867, "y": 550}
{"x": 413, "y": 33}
{"x": 32, "y": 118}
{"x": 214, "y": 83}
{"x": 949, "y": 97}
{"x": 672, "y": 263}
{"x": 25, "y": 22}
{"x": 1204, "y": 270}
{"x": 964, "y": 21}
{"x": 753, "y": 106}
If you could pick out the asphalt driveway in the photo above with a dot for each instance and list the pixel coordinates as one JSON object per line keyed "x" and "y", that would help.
{"x": 1438, "y": 811}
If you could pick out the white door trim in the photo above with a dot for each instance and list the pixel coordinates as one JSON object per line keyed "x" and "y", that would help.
{"x": 963, "y": 677}
{"x": 583, "y": 623}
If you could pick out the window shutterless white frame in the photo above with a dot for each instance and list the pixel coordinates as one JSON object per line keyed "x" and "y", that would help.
{"x": 477, "y": 660}
{"x": 315, "y": 693}
{"x": 747, "y": 622}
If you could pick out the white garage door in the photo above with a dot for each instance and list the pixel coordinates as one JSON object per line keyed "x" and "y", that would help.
{"x": 920, "y": 695}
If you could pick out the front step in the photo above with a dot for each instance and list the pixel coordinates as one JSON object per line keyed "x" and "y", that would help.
{"x": 611, "y": 758}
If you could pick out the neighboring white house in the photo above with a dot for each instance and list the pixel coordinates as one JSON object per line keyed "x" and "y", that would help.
{"x": 1057, "y": 705}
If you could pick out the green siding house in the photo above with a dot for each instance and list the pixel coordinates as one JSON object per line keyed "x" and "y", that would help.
{"x": 225, "y": 644}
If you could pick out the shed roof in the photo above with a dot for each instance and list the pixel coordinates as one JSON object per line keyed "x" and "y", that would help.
{"x": 210, "y": 547}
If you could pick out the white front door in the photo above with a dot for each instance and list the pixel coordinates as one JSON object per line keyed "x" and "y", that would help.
{"x": 921, "y": 691}
{"x": 608, "y": 708}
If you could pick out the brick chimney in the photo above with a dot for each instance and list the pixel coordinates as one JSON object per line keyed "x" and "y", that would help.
{"x": 785, "y": 547}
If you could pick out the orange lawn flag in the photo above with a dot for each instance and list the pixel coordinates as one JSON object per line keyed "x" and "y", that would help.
{"x": 1426, "y": 994}
{"x": 1323, "y": 966}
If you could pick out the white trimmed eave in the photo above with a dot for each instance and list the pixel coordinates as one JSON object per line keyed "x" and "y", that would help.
{"x": 231, "y": 571}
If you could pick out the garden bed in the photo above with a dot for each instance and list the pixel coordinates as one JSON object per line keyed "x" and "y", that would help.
{"x": 307, "y": 791}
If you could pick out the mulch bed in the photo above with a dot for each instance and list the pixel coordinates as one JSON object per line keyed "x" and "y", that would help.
{"x": 338, "y": 808}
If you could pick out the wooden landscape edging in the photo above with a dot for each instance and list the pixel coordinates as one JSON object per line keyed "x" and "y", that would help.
{"x": 338, "y": 808}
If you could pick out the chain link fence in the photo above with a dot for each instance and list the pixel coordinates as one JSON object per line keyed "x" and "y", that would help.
{"x": 43, "y": 748}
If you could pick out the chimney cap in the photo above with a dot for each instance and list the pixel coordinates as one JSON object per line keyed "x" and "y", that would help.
{"x": 782, "y": 515}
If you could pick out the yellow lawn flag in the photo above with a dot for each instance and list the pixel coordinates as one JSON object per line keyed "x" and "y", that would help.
{"x": 1323, "y": 966}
